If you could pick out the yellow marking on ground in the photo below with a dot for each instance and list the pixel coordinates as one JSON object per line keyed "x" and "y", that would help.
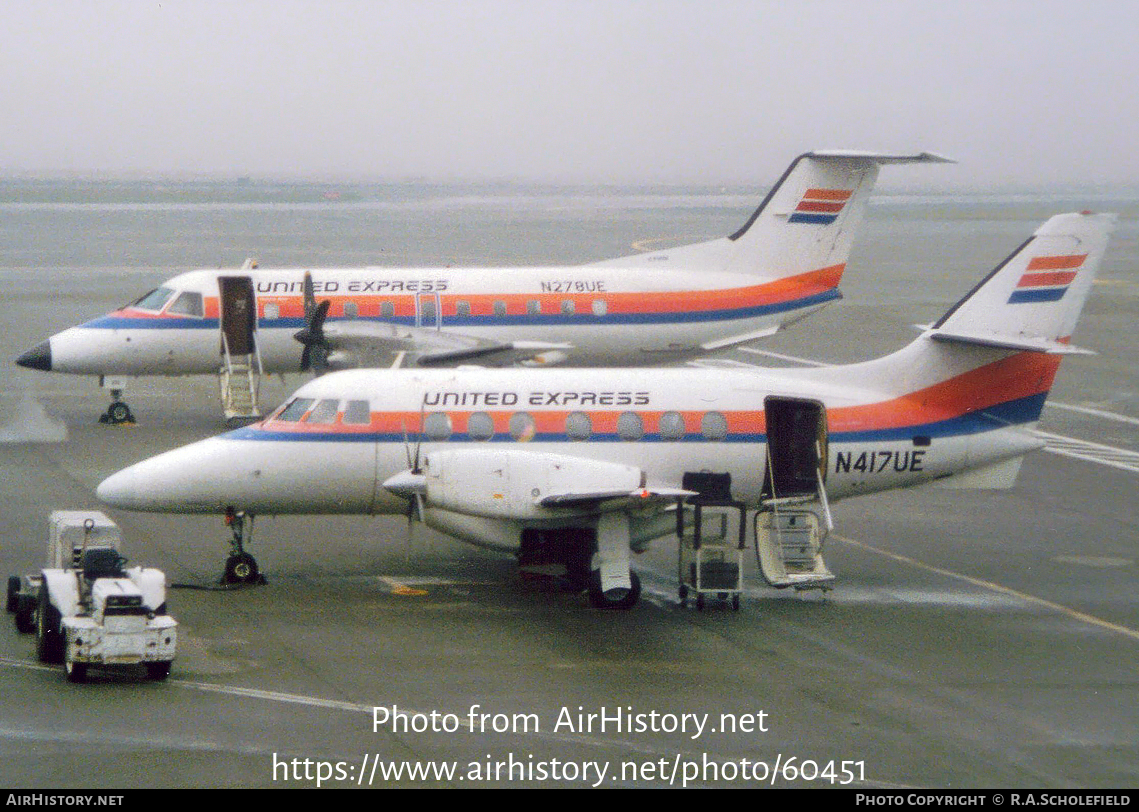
{"x": 403, "y": 589}
{"x": 1075, "y": 614}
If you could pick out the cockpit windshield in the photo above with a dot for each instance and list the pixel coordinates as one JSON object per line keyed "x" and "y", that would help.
{"x": 153, "y": 300}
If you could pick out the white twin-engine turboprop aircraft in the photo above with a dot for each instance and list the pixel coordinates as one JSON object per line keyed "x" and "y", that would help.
{"x": 585, "y": 466}
{"x": 785, "y": 262}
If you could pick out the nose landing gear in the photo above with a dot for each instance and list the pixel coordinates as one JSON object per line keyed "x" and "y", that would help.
{"x": 240, "y": 567}
{"x": 118, "y": 412}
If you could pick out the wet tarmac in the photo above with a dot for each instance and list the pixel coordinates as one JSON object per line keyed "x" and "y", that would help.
{"x": 973, "y": 639}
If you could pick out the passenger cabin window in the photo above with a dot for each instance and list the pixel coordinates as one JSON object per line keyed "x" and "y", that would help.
{"x": 630, "y": 426}
{"x": 672, "y": 426}
{"x": 351, "y": 310}
{"x": 387, "y": 310}
{"x": 272, "y": 311}
{"x": 154, "y": 300}
{"x": 534, "y": 307}
{"x": 357, "y": 413}
{"x": 427, "y": 311}
{"x": 437, "y": 426}
{"x": 324, "y": 412}
{"x": 599, "y": 307}
{"x": 462, "y": 308}
{"x": 567, "y": 307}
{"x": 295, "y": 410}
{"x": 480, "y": 426}
{"x": 500, "y": 308}
{"x": 522, "y": 427}
{"x": 578, "y": 426}
{"x": 188, "y": 304}
{"x": 714, "y": 426}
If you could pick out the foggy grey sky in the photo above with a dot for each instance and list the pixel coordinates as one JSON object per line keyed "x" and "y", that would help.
{"x": 1028, "y": 93}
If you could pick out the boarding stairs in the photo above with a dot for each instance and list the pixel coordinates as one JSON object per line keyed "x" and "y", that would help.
{"x": 239, "y": 380}
{"x": 790, "y": 531}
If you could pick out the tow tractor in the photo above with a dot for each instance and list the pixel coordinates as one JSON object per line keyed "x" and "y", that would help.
{"x": 86, "y": 609}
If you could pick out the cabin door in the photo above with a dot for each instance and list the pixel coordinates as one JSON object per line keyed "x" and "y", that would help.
{"x": 796, "y": 447}
{"x": 238, "y": 314}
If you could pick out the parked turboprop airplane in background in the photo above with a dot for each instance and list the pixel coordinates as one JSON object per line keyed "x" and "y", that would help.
{"x": 785, "y": 262}
{"x": 583, "y": 467}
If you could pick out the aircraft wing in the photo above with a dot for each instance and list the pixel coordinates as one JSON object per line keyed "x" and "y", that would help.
{"x": 379, "y": 344}
{"x": 583, "y": 498}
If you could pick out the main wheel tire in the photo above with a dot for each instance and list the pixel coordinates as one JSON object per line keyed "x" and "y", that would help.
{"x": 49, "y": 637}
{"x": 241, "y": 569}
{"x": 26, "y": 614}
{"x": 76, "y": 672}
{"x": 13, "y": 593}
{"x": 158, "y": 671}
{"x": 614, "y": 598}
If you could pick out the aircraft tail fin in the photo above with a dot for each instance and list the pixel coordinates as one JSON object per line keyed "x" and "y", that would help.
{"x": 994, "y": 354}
{"x": 1032, "y": 300}
{"x": 804, "y": 227}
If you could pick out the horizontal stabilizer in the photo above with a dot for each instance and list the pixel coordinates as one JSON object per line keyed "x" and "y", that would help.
{"x": 880, "y": 157}
{"x": 1026, "y": 343}
{"x": 996, "y": 477}
{"x": 731, "y": 341}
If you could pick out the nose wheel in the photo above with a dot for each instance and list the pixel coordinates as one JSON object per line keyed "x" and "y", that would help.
{"x": 118, "y": 412}
{"x": 240, "y": 567}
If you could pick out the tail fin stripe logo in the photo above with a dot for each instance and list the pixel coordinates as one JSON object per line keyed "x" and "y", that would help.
{"x": 1037, "y": 295}
{"x": 820, "y": 206}
{"x": 841, "y": 195}
{"x": 1057, "y": 262}
{"x": 1047, "y": 279}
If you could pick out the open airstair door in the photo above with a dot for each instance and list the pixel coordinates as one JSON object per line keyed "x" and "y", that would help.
{"x": 238, "y": 314}
{"x": 796, "y": 447}
{"x": 788, "y": 531}
{"x": 240, "y": 371}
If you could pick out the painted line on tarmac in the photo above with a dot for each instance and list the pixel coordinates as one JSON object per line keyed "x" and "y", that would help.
{"x": 1113, "y": 457}
{"x": 1074, "y": 614}
{"x": 1121, "y": 418}
{"x": 463, "y": 720}
{"x": 783, "y": 357}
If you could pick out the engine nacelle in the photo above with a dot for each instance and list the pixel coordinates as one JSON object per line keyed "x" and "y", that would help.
{"x": 509, "y": 484}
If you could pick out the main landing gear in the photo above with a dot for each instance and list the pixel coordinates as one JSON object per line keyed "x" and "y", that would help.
{"x": 240, "y": 567}
{"x": 619, "y": 598}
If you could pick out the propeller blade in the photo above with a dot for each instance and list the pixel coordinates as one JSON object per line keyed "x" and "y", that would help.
{"x": 419, "y": 436}
{"x": 315, "y": 353}
{"x": 309, "y": 297}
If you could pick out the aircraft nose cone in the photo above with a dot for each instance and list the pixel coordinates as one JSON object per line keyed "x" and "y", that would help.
{"x": 39, "y": 357}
